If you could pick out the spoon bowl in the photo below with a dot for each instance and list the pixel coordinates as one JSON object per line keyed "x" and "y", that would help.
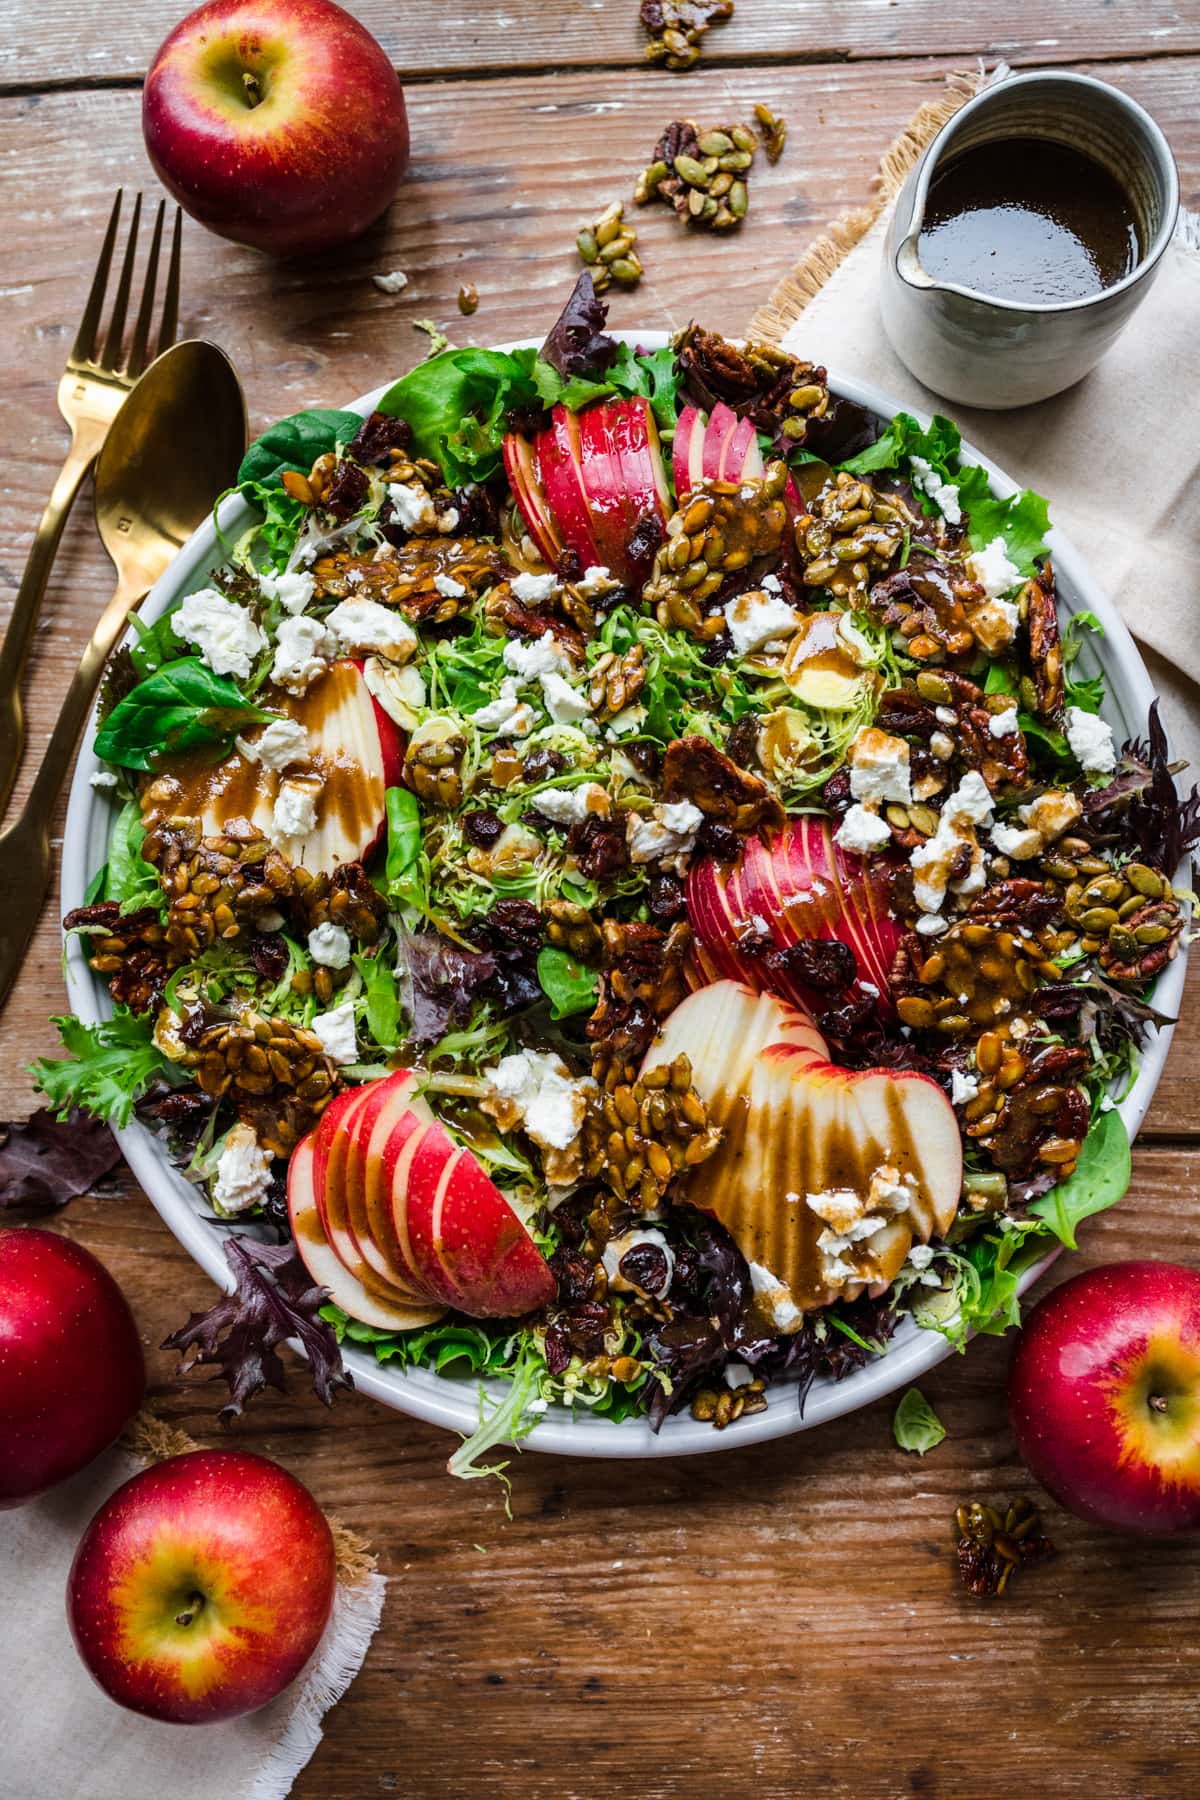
{"x": 173, "y": 450}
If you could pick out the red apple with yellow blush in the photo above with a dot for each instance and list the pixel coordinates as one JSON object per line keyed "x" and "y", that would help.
{"x": 277, "y": 123}
{"x": 202, "y": 1587}
{"x": 1104, "y": 1396}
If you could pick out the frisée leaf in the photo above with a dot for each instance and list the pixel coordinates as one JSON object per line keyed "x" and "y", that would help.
{"x": 109, "y": 1068}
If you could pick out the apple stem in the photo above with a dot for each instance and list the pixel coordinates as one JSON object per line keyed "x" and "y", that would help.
{"x": 188, "y": 1615}
{"x": 1157, "y": 1403}
{"x": 254, "y": 92}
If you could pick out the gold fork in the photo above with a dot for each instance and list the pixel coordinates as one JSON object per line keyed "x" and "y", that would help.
{"x": 90, "y": 395}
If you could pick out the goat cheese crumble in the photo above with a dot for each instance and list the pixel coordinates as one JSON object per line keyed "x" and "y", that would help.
{"x": 668, "y": 830}
{"x": 364, "y": 626}
{"x": 862, "y": 831}
{"x": 243, "y": 1176}
{"x": 879, "y": 768}
{"x": 411, "y": 505}
{"x": 303, "y": 651}
{"x": 993, "y": 569}
{"x": 529, "y": 660}
{"x": 1091, "y": 739}
{"x": 295, "y": 812}
{"x": 565, "y": 704}
{"x": 758, "y": 618}
{"x": 329, "y": 945}
{"x": 336, "y": 1032}
{"x": 506, "y": 715}
{"x": 944, "y": 494}
{"x": 293, "y": 589}
{"x": 222, "y": 631}
{"x": 549, "y": 1102}
{"x": 532, "y": 589}
{"x": 282, "y": 742}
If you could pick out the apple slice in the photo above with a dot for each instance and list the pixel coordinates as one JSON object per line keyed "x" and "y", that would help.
{"x": 798, "y": 886}
{"x": 687, "y": 452}
{"x": 354, "y": 753}
{"x": 797, "y": 1125}
{"x": 560, "y": 461}
{"x": 392, "y": 1100}
{"x": 457, "y": 1231}
{"x": 332, "y": 1143}
{"x": 313, "y": 1248}
{"x": 741, "y": 458}
{"x": 602, "y": 479}
{"x": 722, "y": 423}
{"x": 524, "y": 478}
{"x": 634, "y": 432}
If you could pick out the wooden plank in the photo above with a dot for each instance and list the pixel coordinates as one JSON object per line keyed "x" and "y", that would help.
{"x": 503, "y": 173}
{"x": 780, "y": 1621}
{"x": 75, "y": 42}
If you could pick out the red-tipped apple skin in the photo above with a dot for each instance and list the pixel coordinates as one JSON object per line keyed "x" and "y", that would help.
{"x": 227, "y": 1541}
{"x": 799, "y": 886}
{"x": 634, "y": 433}
{"x": 369, "y": 1304}
{"x": 310, "y": 166}
{"x": 458, "y": 1232}
{"x": 722, "y": 423}
{"x": 558, "y": 457}
{"x": 387, "y": 1100}
{"x": 609, "y": 500}
{"x": 524, "y": 478}
{"x": 71, "y": 1369}
{"x": 333, "y": 1144}
{"x": 1104, "y": 1396}
{"x": 740, "y": 458}
{"x": 689, "y": 431}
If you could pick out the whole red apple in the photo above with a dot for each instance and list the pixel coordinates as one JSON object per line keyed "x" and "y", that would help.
{"x": 1104, "y": 1396}
{"x": 201, "y": 1588}
{"x": 71, "y": 1369}
{"x": 277, "y": 123}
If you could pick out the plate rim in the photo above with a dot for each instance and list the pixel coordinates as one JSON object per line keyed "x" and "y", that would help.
{"x": 453, "y": 1403}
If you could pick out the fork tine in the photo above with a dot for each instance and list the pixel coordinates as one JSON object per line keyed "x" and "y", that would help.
{"x": 85, "y": 341}
{"x": 170, "y": 318}
{"x": 110, "y": 356}
{"x": 141, "y": 333}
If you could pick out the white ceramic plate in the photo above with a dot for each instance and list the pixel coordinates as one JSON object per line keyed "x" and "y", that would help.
{"x": 455, "y": 1403}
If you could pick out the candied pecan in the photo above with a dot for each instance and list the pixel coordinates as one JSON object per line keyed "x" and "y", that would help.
{"x": 903, "y": 713}
{"x": 924, "y": 602}
{"x": 379, "y": 435}
{"x": 1017, "y": 901}
{"x": 129, "y": 948}
{"x": 991, "y": 1545}
{"x": 642, "y": 982}
{"x": 1039, "y": 605}
{"x": 1144, "y": 944}
{"x": 694, "y": 769}
{"x": 1043, "y": 1115}
{"x": 598, "y": 846}
{"x": 998, "y": 759}
{"x": 504, "y": 613}
{"x": 347, "y": 491}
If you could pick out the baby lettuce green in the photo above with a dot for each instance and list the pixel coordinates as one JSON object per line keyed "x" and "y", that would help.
{"x": 1100, "y": 1179}
{"x": 295, "y": 443}
{"x": 181, "y": 707}
{"x": 569, "y": 987}
{"x": 916, "y": 1425}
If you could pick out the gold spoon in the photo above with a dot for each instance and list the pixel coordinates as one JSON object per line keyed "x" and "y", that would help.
{"x": 173, "y": 449}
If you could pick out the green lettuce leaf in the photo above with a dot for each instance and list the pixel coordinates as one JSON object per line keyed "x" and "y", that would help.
{"x": 938, "y": 444}
{"x": 109, "y": 1068}
{"x": 1100, "y": 1179}
{"x": 295, "y": 443}
{"x": 182, "y": 707}
{"x": 916, "y": 1425}
{"x": 130, "y": 879}
{"x": 1022, "y": 521}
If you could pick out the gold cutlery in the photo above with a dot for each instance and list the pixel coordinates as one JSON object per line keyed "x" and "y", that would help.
{"x": 92, "y": 390}
{"x": 172, "y": 450}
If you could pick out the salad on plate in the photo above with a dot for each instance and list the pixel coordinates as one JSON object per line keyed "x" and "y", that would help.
{"x": 620, "y": 882}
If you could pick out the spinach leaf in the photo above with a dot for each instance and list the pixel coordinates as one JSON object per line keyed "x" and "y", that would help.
{"x": 569, "y": 987}
{"x": 1101, "y": 1178}
{"x": 457, "y": 405}
{"x": 403, "y": 836}
{"x": 183, "y": 707}
{"x": 130, "y": 879}
{"x": 295, "y": 443}
{"x": 109, "y": 1067}
{"x": 916, "y": 1426}
{"x": 382, "y": 1000}
{"x": 154, "y": 644}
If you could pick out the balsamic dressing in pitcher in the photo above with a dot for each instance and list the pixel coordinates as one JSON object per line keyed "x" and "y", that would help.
{"x": 1028, "y": 220}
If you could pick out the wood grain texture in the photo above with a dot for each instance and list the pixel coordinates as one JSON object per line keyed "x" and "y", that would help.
{"x": 781, "y": 1621}
{"x": 778, "y": 1621}
{"x": 75, "y": 41}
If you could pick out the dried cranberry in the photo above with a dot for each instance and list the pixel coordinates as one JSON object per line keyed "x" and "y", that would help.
{"x": 843, "y": 1021}
{"x": 269, "y": 954}
{"x": 478, "y": 514}
{"x": 569, "y": 564}
{"x": 575, "y": 1275}
{"x": 821, "y": 963}
{"x": 645, "y": 1267}
{"x": 598, "y": 846}
{"x": 556, "y": 1350}
{"x": 741, "y": 746}
{"x": 378, "y": 435}
{"x": 666, "y": 900}
{"x": 347, "y": 491}
{"x": 540, "y": 765}
{"x": 516, "y": 924}
{"x": 644, "y": 540}
{"x": 718, "y": 841}
{"x": 482, "y": 827}
{"x": 836, "y": 794}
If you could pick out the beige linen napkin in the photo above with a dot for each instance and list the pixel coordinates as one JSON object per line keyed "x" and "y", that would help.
{"x": 1118, "y": 456}
{"x": 61, "y": 1738}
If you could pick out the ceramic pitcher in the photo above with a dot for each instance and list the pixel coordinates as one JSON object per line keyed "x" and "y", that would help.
{"x": 985, "y": 351}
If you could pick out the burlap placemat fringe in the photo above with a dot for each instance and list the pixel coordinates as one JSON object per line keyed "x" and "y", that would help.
{"x": 825, "y": 253}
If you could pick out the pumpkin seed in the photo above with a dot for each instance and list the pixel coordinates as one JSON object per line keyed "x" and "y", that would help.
{"x": 714, "y": 143}
{"x": 691, "y": 171}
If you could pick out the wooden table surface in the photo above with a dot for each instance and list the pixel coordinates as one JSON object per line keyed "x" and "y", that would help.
{"x": 786, "y": 1620}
